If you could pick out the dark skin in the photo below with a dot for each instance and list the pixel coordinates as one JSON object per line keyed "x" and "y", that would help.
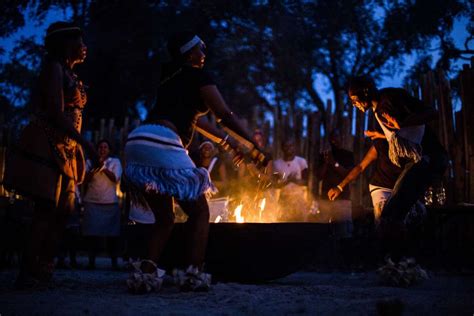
{"x": 51, "y": 84}
{"x": 289, "y": 153}
{"x": 103, "y": 150}
{"x": 393, "y": 232}
{"x": 369, "y": 157}
{"x": 198, "y": 210}
{"x": 329, "y": 164}
{"x": 427, "y": 115}
{"x": 207, "y": 152}
{"x": 49, "y": 220}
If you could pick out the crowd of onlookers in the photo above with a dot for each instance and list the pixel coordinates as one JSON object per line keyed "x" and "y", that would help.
{"x": 104, "y": 218}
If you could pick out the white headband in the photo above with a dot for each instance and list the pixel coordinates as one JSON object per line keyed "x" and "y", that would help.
{"x": 65, "y": 29}
{"x": 195, "y": 40}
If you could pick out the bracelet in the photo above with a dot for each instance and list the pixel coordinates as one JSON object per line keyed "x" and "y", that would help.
{"x": 223, "y": 142}
{"x": 339, "y": 187}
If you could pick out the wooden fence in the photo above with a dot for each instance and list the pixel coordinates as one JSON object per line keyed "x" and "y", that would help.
{"x": 455, "y": 130}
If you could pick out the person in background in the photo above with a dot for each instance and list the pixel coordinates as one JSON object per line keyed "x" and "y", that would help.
{"x": 334, "y": 165}
{"x": 72, "y": 235}
{"x": 260, "y": 139}
{"x": 101, "y": 208}
{"x": 48, "y": 160}
{"x": 250, "y": 172}
{"x": 293, "y": 180}
{"x": 383, "y": 179}
{"x": 209, "y": 159}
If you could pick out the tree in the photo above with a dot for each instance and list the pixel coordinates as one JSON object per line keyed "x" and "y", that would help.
{"x": 262, "y": 53}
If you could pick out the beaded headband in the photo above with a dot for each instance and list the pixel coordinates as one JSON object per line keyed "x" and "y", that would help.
{"x": 64, "y": 29}
{"x": 195, "y": 40}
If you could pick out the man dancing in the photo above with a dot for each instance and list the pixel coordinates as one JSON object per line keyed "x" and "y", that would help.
{"x": 413, "y": 146}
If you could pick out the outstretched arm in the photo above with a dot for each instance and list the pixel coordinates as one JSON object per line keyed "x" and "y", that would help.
{"x": 214, "y": 100}
{"x": 369, "y": 157}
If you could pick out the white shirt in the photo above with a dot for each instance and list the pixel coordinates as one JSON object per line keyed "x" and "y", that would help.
{"x": 100, "y": 189}
{"x": 293, "y": 167}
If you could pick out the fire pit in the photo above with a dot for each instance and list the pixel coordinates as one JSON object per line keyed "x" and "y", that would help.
{"x": 252, "y": 252}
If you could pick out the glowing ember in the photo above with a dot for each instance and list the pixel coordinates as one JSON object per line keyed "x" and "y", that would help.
{"x": 238, "y": 214}
{"x": 218, "y": 219}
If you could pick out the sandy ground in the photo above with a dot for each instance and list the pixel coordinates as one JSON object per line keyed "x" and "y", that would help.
{"x": 81, "y": 292}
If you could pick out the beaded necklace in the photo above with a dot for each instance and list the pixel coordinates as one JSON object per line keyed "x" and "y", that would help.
{"x": 79, "y": 85}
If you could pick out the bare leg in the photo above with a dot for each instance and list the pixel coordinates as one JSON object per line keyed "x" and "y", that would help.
{"x": 41, "y": 224}
{"x": 162, "y": 207}
{"x": 57, "y": 224}
{"x": 197, "y": 229}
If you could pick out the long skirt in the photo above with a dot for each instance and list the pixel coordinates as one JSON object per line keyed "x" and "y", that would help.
{"x": 101, "y": 219}
{"x": 33, "y": 169}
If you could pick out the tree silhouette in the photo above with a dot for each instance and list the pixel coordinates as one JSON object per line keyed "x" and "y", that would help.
{"x": 262, "y": 53}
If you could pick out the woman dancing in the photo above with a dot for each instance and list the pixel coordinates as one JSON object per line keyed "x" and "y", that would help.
{"x": 158, "y": 168}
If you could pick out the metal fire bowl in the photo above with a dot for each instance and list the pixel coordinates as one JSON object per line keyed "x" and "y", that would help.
{"x": 252, "y": 252}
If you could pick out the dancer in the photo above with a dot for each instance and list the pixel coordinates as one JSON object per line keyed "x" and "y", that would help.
{"x": 158, "y": 168}
{"x": 48, "y": 161}
{"x": 412, "y": 144}
{"x": 383, "y": 179}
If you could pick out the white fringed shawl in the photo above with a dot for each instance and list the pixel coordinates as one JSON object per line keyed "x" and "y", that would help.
{"x": 404, "y": 143}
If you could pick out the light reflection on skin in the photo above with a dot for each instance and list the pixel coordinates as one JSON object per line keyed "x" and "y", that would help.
{"x": 362, "y": 106}
{"x": 197, "y": 56}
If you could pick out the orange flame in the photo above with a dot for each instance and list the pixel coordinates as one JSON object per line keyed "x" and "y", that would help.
{"x": 238, "y": 214}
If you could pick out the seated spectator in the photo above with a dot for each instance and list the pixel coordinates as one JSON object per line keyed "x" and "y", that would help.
{"x": 293, "y": 178}
{"x": 101, "y": 208}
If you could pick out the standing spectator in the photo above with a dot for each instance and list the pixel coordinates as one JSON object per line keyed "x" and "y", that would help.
{"x": 250, "y": 171}
{"x": 70, "y": 242}
{"x": 48, "y": 160}
{"x": 293, "y": 171}
{"x": 101, "y": 208}
{"x": 260, "y": 139}
{"x": 209, "y": 159}
{"x": 336, "y": 164}
{"x": 383, "y": 179}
